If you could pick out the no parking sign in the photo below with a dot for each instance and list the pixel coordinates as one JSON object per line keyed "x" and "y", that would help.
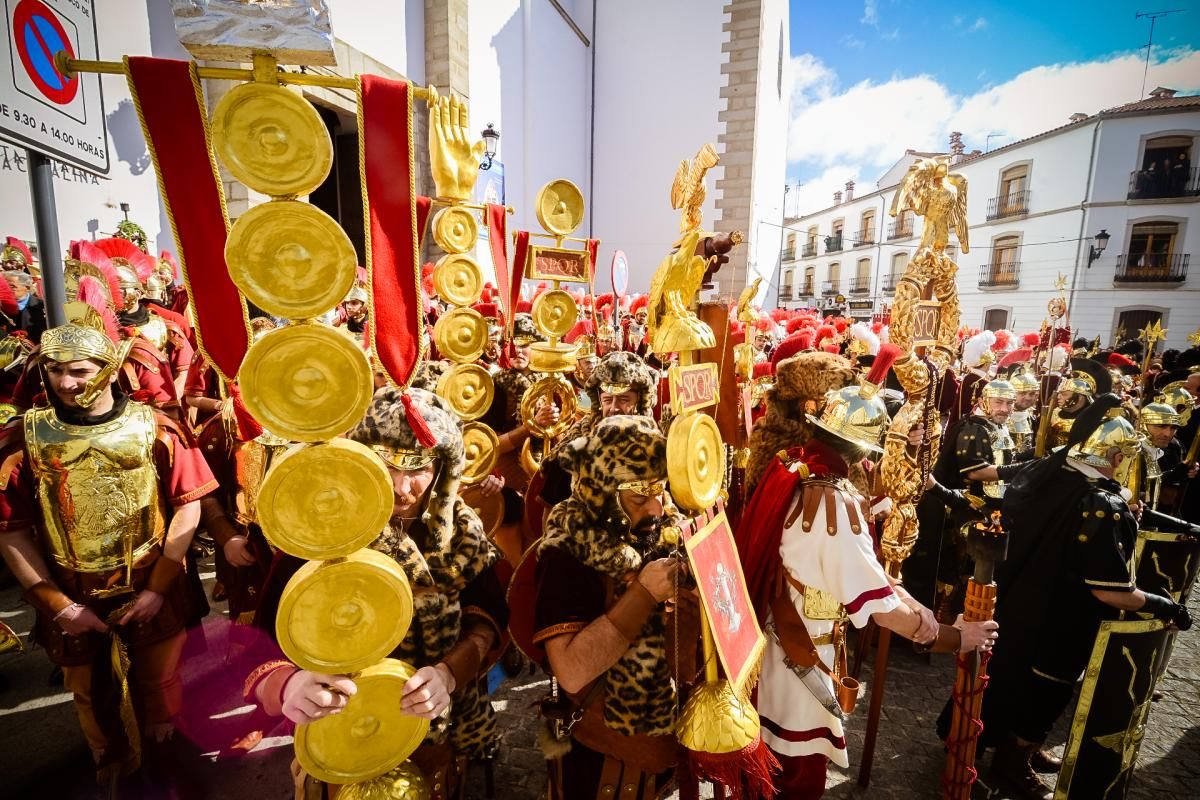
{"x": 41, "y": 108}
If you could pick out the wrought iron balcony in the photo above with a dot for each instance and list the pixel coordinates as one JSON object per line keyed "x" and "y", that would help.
{"x": 789, "y": 254}
{"x": 1009, "y": 205}
{"x": 889, "y": 282}
{"x": 785, "y": 293}
{"x": 1150, "y": 184}
{"x": 833, "y": 244}
{"x": 809, "y": 250}
{"x": 864, "y": 237}
{"x": 830, "y": 288}
{"x": 900, "y": 229}
{"x": 1152, "y": 268}
{"x": 860, "y": 284}
{"x": 1000, "y": 275}
{"x": 807, "y": 291}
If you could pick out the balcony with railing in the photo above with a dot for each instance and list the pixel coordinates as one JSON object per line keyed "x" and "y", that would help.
{"x": 860, "y": 284}
{"x": 900, "y": 229}
{"x": 807, "y": 290}
{"x": 788, "y": 255}
{"x": 1152, "y": 268}
{"x": 833, "y": 244}
{"x": 1008, "y": 205}
{"x": 809, "y": 250}
{"x": 889, "y": 282}
{"x": 1000, "y": 276}
{"x": 1149, "y": 184}
{"x": 830, "y": 288}
{"x": 863, "y": 237}
{"x": 785, "y": 293}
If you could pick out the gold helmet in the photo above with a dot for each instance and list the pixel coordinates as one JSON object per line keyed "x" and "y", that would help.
{"x": 1160, "y": 414}
{"x": 1115, "y": 432}
{"x": 156, "y": 288}
{"x": 1024, "y": 382}
{"x": 13, "y": 351}
{"x": 857, "y": 413}
{"x": 996, "y": 390}
{"x": 1178, "y": 397}
{"x": 127, "y": 276}
{"x": 73, "y": 342}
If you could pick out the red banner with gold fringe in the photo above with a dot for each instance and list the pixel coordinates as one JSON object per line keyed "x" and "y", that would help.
{"x": 388, "y": 175}
{"x": 175, "y": 125}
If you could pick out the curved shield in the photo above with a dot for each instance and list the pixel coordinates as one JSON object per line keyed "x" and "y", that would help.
{"x": 1114, "y": 703}
{"x": 1166, "y": 563}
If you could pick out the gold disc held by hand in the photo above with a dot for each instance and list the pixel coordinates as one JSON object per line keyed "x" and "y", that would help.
{"x": 326, "y": 500}
{"x": 695, "y": 461}
{"x": 458, "y": 280}
{"x": 461, "y": 335}
{"x": 560, "y": 207}
{"x": 272, "y": 140}
{"x": 370, "y": 736}
{"x": 469, "y": 390}
{"x": 307, "y": 382}
{"x": 405, "y": 782}
{"x": 481, "y": 449}
{"x": 290, "y": 259}
{"x": 455, "y": 229}
{"x": 555, "y": 312}
{"x": 344, "y": 615}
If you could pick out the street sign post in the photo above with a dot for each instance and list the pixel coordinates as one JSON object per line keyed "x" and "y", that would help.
{"x": 40, "y": 108}
{"x": 50, "y": 114}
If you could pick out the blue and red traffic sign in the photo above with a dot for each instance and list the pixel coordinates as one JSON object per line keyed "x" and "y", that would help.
{"x": 37, "y": 36}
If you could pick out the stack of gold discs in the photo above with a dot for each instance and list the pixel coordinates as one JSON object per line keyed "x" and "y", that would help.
{"x": 559, "y": 209}
{"x": 461, "y": 334}
{"x": 326, "y": 498}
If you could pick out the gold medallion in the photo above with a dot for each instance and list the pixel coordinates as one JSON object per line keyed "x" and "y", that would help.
{"x": 461, "y": 335}
{"x": 695, "y": 461}
{"x": 326, "y": 500}
{"x": 290, "y": 259}
{"x": 345, "y": 615}
{"x": 555, "y": 312}
{"x": 490, "y": 510}
{"x": 370, "y": 736}
{"x": 405, "y": 782}
{"x": 481, "y": 449}
{"x": 469, "y": 390}
{"x": 560, "y": 207}
{"x": 547, "y": 357}
{"x": 272, "y": 140}
{"x": 455, "y": 229}
{"x": 306, "y": 382}
{"x": 458, "y": 280}
{"x": 549, "y": 389}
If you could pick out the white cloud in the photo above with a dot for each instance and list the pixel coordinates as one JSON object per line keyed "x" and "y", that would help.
{"x": 979, "y": 24}
{"x": 857, "y": 132}
{"x": 852, "y": 41}
{"x": 817, "y": 192}
{"x": 891, "y": 35}
{"x": 870, "y": 13}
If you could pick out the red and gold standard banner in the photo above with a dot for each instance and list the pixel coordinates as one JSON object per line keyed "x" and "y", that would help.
{"x": 175, "y": 125}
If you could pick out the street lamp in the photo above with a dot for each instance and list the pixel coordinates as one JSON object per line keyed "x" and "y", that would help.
{"x": 491, "y": 137}
{"x": 1095, "y": 251}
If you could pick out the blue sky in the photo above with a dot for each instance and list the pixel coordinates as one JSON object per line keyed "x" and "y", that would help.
{"x": 891, "y": 74}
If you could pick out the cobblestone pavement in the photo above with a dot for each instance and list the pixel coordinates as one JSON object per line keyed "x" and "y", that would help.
{"x": 44, "y": 754}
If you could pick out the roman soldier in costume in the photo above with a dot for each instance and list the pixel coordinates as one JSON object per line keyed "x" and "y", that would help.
{"x": 490, "y": 360}
{"x": 977, "y": 359}
{"x": 1023, "y": 421}
{"x": 151, "y": 321}
{"x": 504, "y": 416}
{"x": 104, "y": 572}
{"x": 15, "y": 350}
{"x": 971, "y": 452}
{"x": 1086, "y": 380}
{"x": 603, "y": 575}
{"x": 352, "y": 313}
{"x": 1160, "y": 423}
{"x": 460, "y": 611}
{"x": 809, "y": 559}
{"x": 16, "y": 255}
{"x": 1067, "y": 570}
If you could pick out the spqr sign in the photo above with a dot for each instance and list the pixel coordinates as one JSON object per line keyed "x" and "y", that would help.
{"x": 59, "y": 115}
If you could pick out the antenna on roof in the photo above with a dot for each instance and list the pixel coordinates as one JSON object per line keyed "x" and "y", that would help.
{"x": 1153, "y": 17}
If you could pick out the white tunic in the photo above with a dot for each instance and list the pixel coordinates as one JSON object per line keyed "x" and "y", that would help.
{"x": 844, "y": 564}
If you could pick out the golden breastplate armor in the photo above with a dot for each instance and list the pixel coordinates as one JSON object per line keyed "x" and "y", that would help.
{"x": 1060, "y": 429}
{"x": 155, "y": 331}
{"x": 97, "y": 488}
{"x": 1002, "y": 452}
{"x": 1020, "y": 427}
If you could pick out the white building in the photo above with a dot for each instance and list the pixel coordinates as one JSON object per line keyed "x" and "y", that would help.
{"x": 1035, "y": 209}
{"x": 610, "y": 95}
